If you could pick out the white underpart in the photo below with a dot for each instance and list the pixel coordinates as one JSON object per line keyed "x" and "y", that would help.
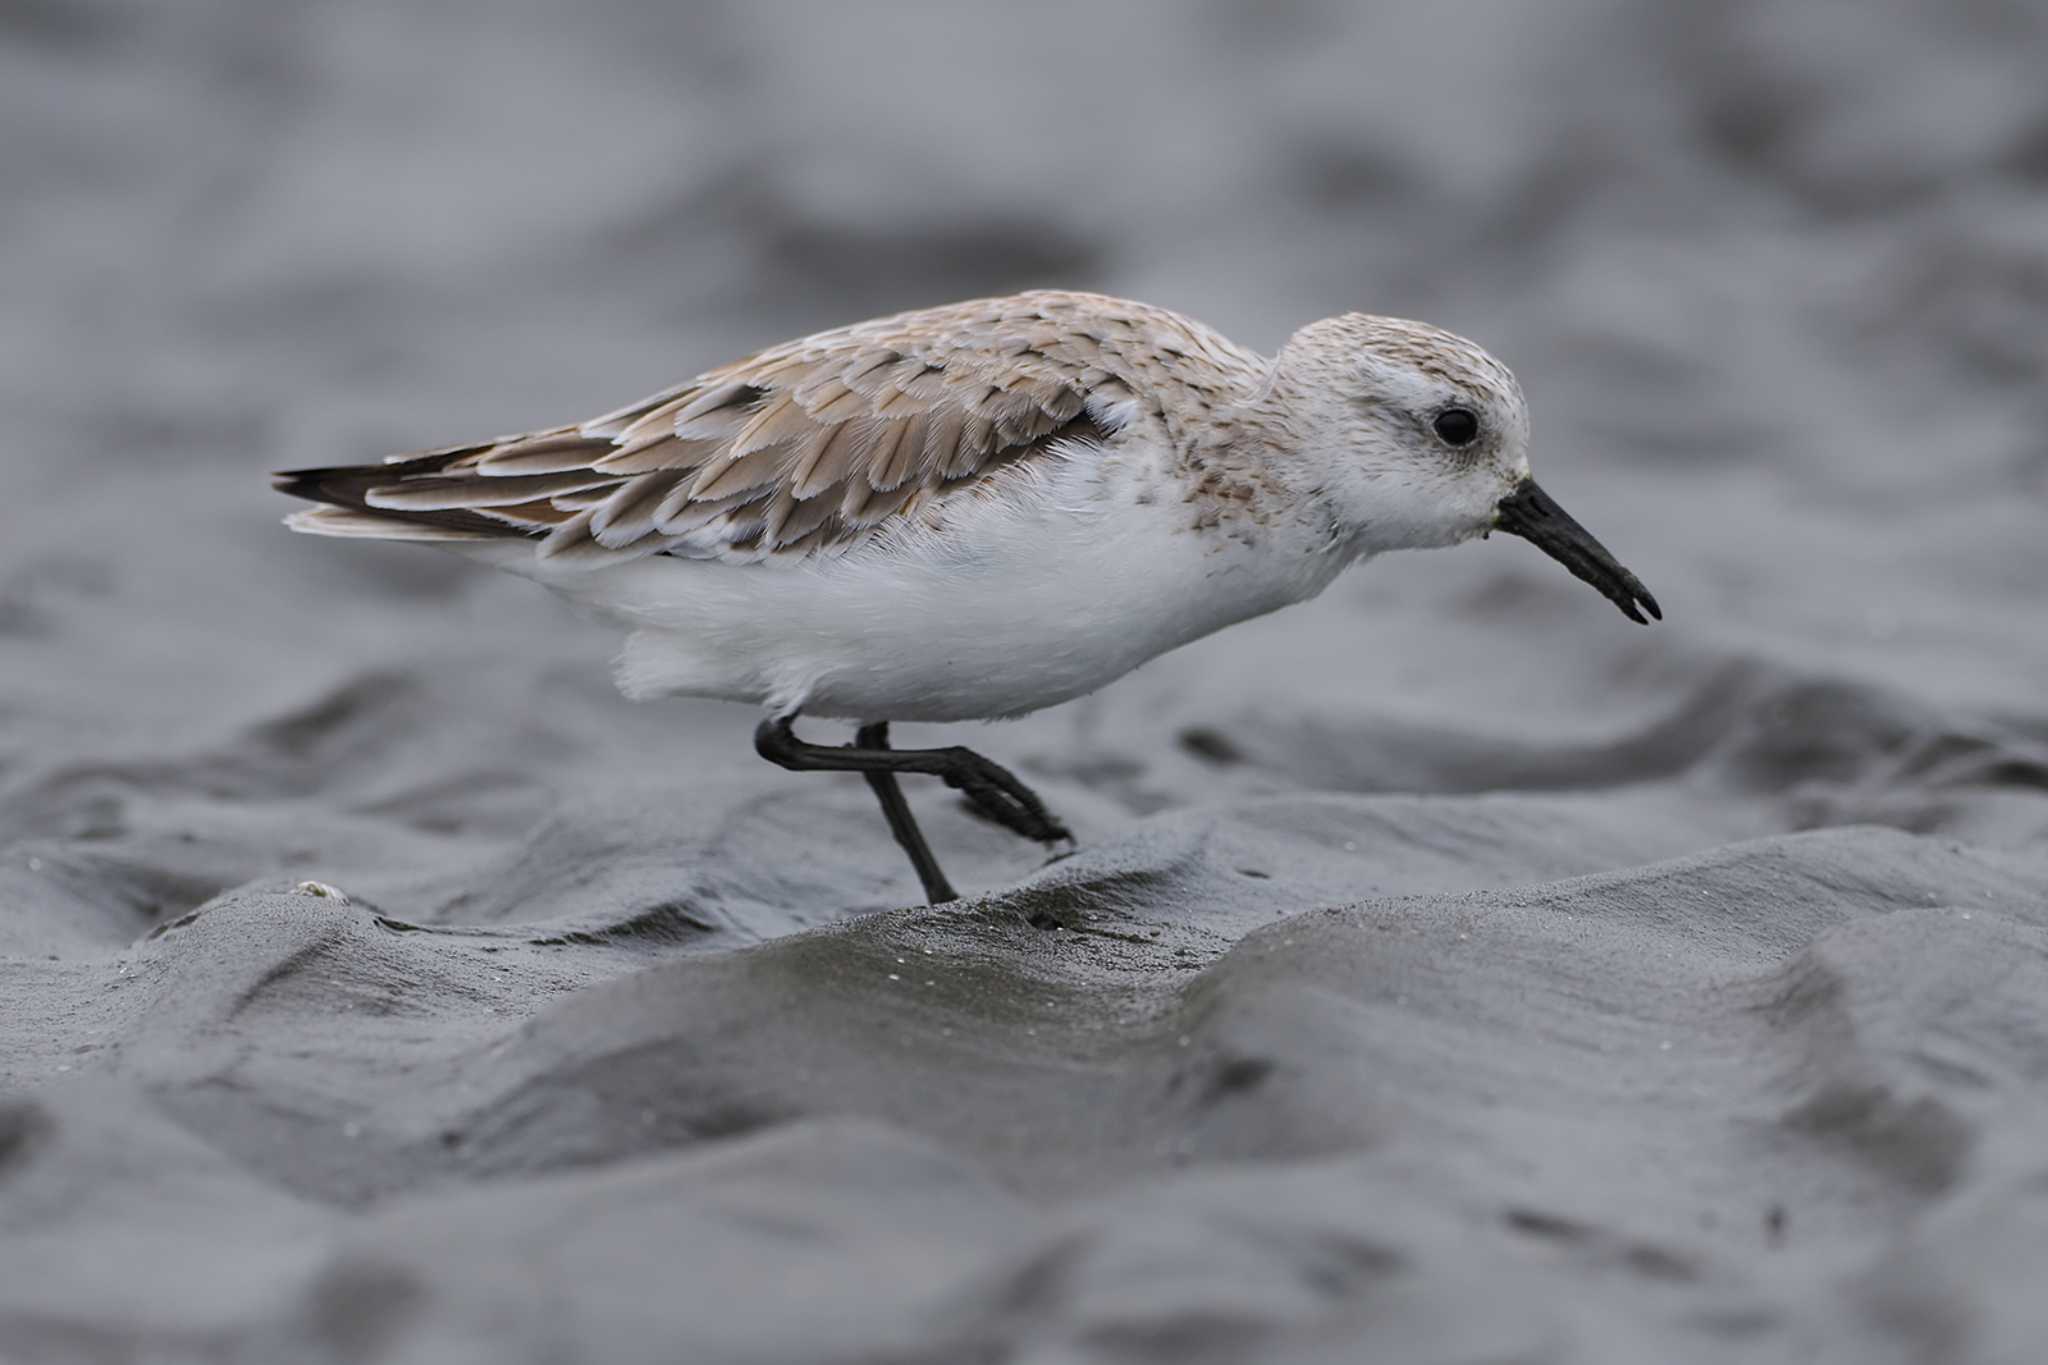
{"x": 1073, "y": 573}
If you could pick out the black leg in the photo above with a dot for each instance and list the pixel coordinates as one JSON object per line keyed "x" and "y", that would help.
{"x": 902, "y": 824}
{"x": 992, "y": 788}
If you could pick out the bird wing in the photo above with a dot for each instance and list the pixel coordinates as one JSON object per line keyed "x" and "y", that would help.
{"x": 807, "y": 447}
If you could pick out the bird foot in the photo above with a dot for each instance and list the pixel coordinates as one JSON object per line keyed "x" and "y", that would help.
{"x": 994, "y": 793}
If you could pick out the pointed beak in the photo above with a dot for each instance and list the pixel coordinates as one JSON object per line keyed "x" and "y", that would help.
{"x": 1529, "y": 513}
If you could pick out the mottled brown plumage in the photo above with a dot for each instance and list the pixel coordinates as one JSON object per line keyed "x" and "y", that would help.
{"x": 810, "y": 446}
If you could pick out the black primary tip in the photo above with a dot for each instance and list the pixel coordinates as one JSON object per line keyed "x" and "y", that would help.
{"x": 1528, "y": 512}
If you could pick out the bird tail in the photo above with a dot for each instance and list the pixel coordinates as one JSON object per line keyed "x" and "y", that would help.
{"x": 517, "y": 488}
{"x": 344, "y": 494}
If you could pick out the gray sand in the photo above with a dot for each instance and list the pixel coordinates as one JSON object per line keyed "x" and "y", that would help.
{"x": 1451, "y": 970}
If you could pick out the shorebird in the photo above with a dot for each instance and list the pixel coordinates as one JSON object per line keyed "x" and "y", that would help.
{"x": 978, "y": 510}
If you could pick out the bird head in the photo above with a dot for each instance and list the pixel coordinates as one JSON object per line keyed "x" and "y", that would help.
{"x": 1414, "y": 437}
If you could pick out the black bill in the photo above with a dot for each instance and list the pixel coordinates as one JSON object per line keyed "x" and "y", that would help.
{"x": 1529, "y": 513}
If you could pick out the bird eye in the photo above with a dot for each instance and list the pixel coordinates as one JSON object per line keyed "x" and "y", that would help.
{"x": 1457, "y": 426}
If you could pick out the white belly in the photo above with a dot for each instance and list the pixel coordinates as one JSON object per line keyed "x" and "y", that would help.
{"x": 1020, "y": 603}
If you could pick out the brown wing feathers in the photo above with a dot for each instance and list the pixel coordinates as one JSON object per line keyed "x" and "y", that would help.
{"x": 801, "y": 448}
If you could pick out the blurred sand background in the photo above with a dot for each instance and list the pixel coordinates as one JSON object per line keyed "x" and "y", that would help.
{"x": 1451, "y": 970}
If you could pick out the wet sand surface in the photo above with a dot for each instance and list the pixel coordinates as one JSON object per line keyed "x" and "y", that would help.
{"x": 1450, "y": 969}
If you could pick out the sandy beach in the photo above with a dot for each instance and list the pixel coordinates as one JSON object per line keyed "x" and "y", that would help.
{"x": 1450, "y": 970}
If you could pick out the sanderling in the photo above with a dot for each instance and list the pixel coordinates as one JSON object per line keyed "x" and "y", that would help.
{"x": 975, "y": 511}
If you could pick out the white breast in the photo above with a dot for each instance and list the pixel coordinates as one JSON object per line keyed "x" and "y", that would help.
{"x": 1068, "y": 575}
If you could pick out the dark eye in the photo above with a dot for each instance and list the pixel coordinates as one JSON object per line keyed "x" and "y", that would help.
{"x": 1457, "y": 426}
